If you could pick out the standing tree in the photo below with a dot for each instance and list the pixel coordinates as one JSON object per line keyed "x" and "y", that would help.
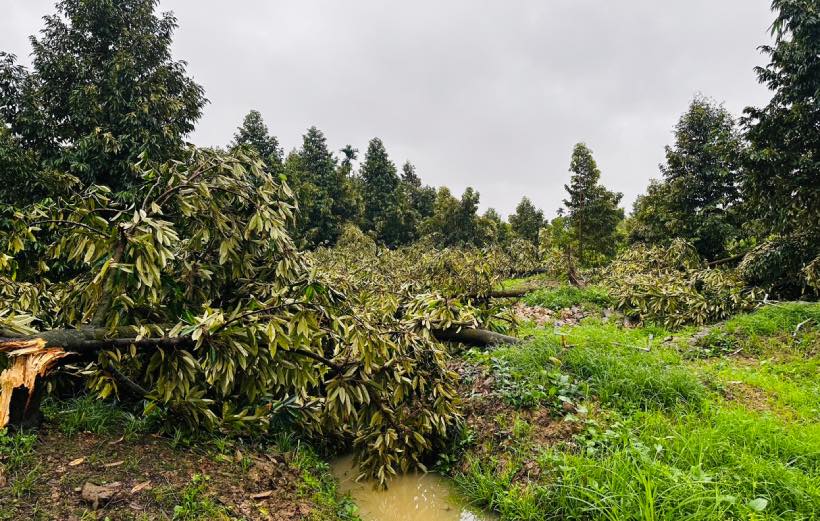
{"x": 700, "y": 194}
{"x": 782, "y": 182}
{"x": 254, "y": 133}
{"x": 455, "y": 222}
{"x": 385, "y": 206}
{"x": 322, "y": 190}
{"x": 417, "y": 199}
{"x": 103, "y": 92}
{"x": 593, "y": 211}
{"x": 527, "y": 220}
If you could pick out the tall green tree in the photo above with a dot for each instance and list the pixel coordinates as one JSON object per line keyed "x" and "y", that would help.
{"x": 386, "y": 205}
{"x": 418, "y": 201}
{"x": 699, "y": 197}
{"x": 455, "y": 222}
{"x": 254, "y": 133}
{"x": 103, "y": 91}
{"x": 321, "y": 190}
{"x": 527, "y": 220}
{"x": 495, "y": 229}
{"x": 593, "y": 210}
{"x": 782, "y": 179}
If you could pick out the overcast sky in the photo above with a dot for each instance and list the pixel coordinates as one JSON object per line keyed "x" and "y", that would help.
{"x": 487, "y": 94}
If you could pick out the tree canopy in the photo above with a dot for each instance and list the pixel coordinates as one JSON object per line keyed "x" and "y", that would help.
{"x": 254, "y": 133}
{"x": 527, "y": 220}
{"x": 593, "y": 210}
{"x": 103, "y": 92}
{"x": 699, "y": 196}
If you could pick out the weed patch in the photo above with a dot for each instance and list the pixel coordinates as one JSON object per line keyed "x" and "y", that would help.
{"x": 568, "y": 296}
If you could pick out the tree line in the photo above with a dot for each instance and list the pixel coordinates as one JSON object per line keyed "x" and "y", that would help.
{"x": 104, "y": 97}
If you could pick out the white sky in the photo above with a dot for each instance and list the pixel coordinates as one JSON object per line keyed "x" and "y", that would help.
{"x": 487, "y": 94}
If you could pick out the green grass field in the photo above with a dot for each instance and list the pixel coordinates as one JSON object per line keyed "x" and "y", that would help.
{"x": 717, "y": 424}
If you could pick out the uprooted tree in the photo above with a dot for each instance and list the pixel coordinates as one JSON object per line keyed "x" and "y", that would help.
{"x": 188, "y": 292}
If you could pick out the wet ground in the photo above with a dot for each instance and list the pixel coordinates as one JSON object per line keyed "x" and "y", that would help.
{"x": 411, "y": 497}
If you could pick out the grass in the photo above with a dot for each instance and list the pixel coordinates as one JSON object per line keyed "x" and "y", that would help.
{"x": 319, "y": 485}
{"x": 196, "y": 503}
{"x": 88, "y": 414}
{"x": 792, "y": 326}
{"x": 567, "y": 296}
{"x": 16, "y": 451}
{"x": 665, "y": 439}
{"x": 610, "y": 364}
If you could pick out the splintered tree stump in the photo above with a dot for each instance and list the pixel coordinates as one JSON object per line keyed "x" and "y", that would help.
{"x": 21, "y": 382}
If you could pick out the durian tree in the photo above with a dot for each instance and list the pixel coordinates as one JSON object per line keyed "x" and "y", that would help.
{"x": 190, "y": 294}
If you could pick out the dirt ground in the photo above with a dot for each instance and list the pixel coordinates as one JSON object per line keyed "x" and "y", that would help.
{"x": 89, "y": 476}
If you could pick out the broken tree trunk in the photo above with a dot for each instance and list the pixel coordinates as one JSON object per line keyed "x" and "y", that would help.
{"x": 33, "y": 357}
{"x": 501, "y": 293}
{"x": 20, "y": 392}
{"x": 474, "y": 337}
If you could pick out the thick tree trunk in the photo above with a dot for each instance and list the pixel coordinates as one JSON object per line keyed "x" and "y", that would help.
{"x": 474, "y": 337}
{"x": 501, "y": 293}
{"x": 33, "y": 357}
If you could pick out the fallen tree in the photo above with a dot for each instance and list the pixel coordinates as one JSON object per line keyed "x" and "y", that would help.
{"x": 35, "y": 356}
{"x": 189, "y": 293}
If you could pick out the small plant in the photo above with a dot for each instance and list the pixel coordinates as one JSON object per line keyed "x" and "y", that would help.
{"x": 548, "y": 387}
{"x": 195, "y": 504}
{"x": 449, "y": 458}
{"x": 15, "y": 449}
{"x": 23, "y": 485}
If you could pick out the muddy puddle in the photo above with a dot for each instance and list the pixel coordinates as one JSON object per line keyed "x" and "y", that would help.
{"x": 412, "y": 497}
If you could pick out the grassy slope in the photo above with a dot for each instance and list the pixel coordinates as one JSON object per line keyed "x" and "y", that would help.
{"x": 725, "y": 430}
{"x": 184, "y": 478}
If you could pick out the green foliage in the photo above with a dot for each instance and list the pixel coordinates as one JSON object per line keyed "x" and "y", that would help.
{"x": 22, "y": 184}
{"x": 196, "y": 504}
{"x": 698, "y": 197}
{"x": 783, "y": 178}
{"x": 593, "y": 213}
{"x": 104, "y": 91}
{"x": 671, "y": 286}
{"x": 527, "y": 221}
{"x": 205, "y": 258}
{"x": 318, "y": 484}
{"x": 323, "y": 190}
{"x": 541, "y": 386}
{"x": 456, "y": 222}
{"x": 783, "y": 264}
{"x": 567, "y": 296}
{"x": 254, "y": 133}
{"x": 388, "y": 212}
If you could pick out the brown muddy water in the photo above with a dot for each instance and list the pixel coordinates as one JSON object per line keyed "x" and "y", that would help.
{"x": 411, "y": 497}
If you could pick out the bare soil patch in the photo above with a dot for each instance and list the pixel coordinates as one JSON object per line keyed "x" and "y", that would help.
{"x": 101, "y": 476}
